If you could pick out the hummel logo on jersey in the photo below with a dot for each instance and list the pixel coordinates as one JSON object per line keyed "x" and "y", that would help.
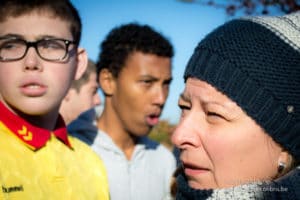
{"x": 12, "y": 189}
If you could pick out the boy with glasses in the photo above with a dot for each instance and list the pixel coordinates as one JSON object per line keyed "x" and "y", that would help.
{"x": 39, "y": 59}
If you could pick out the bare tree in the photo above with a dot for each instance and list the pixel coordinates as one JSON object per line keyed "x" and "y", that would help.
{"x": 251, "y": 7}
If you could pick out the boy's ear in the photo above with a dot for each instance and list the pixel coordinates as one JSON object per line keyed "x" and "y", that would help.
{"x": 82, "y": 62}
{"x": 107, "y": 82}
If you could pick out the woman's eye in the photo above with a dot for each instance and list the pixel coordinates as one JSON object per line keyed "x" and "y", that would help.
{"x": 183, "y": 107}
{"x": 184, "y": 110}
{"x": 214, "y": 116}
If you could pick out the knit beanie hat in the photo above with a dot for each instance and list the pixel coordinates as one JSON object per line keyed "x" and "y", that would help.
{"x": 255, "y": 61}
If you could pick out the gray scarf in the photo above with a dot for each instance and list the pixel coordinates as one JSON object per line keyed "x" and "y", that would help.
{"x": 285, "y": 188}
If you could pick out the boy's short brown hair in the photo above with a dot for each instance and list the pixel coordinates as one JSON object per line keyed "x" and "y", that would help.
{"x": 91, "y": 68}
{"x": 61, "y": 9}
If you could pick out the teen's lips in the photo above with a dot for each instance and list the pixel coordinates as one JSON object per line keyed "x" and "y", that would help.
{"x": 191, "y": 169}
{"x": 33, "y": 88}
{"x": 153, "y": 119}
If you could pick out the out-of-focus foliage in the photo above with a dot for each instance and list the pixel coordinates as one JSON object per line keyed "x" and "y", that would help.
{"x": 251, "y": 7}
{"x": 162, "y": 133}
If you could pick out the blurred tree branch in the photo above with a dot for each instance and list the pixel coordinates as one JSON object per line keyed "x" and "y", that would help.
{"x": 250, "y": 7}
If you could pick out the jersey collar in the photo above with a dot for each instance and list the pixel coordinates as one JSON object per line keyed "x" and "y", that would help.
{"x": 33, "y": 136}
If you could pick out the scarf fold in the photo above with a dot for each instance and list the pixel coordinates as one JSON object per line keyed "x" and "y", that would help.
{"x": 285, "y": 188}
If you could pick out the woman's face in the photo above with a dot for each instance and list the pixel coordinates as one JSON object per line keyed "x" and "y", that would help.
{"x": 221, "y": 146}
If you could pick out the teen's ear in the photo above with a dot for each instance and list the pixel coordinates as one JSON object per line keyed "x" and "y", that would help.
{"x": 82, "y": 62}
{"x": 107, "y": 82}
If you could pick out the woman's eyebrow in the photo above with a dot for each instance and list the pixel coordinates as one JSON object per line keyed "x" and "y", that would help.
{"x": 184, "y": 97}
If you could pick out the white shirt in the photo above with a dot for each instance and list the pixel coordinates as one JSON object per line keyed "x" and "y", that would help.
{"x": 147, "y": 176}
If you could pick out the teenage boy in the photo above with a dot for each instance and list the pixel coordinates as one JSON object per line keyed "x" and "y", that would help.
{"x": 82, "y": 95}
{"x": 134, "y": 71}
{"x": 39, "y": 58}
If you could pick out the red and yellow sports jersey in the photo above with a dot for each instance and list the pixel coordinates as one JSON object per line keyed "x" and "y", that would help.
{"x": 39, "y": 164}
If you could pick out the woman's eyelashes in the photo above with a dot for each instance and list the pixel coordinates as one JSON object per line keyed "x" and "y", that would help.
{"x": 184, "y": 109}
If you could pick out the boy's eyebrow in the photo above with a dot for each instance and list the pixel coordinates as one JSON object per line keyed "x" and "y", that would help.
{"x": 49, "y": 36}
{"x": 155, "y": 78}
{"x": 10, "y": 35}
{"x": 13, "y": 35}
{"x": 148, "y": 76}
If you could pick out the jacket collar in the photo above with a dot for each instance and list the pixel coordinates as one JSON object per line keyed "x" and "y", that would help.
{"x": 33, "y": 136}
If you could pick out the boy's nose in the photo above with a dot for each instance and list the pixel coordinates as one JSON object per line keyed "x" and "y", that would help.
{"x": 31, "y": 60}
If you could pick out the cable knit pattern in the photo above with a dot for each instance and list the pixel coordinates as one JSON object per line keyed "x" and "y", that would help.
{"x": 285, "y": 188}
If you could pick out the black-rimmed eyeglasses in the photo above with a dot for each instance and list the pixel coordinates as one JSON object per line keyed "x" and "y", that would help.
{"x": 49, "y": 49}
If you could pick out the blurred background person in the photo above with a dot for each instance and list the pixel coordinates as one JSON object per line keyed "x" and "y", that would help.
{"x": 82, "y": 95}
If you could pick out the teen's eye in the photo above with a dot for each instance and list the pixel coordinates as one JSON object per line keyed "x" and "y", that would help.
{"x": 167, "y": 82}
{"x": 7, "y": 45}
{"x": 147, "y": 83}
{"x": 11, "y": 44}
{"x": 51, "y": 44}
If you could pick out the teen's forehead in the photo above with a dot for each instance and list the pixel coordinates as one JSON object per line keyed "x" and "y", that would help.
{"x": 35, "y": 25}
{"x": 143, "y": 64}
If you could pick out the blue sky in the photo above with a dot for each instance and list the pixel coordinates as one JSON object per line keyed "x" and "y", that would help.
{"x": 183, "y": 24}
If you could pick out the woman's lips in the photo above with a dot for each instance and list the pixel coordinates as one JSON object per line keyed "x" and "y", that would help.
{"x": 192, "y": 170}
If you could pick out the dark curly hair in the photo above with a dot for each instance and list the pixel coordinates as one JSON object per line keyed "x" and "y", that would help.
{"x": 126, "y": 39}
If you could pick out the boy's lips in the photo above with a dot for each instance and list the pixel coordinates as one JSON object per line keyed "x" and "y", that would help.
{"x": 153, "y": 119}
{"x": 33, "y": 89}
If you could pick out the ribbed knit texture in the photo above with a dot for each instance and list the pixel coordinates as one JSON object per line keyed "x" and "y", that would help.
{"x": 257, "y": 65}
{"x": 285, "y": 188}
